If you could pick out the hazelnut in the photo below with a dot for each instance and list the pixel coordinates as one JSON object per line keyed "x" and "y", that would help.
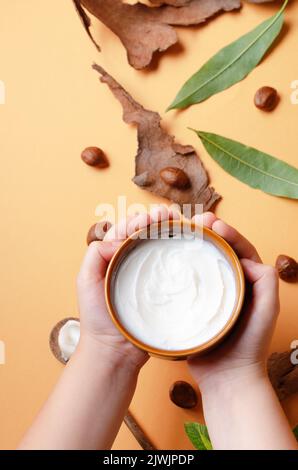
{"x": 175, "y": 177}
{"x": 266, "y": 98}
{"x": 287, "y": 268}
{"x": 183, "y": 395}
{"x": 98, "y": 231}
{"x": 94, "y": 156}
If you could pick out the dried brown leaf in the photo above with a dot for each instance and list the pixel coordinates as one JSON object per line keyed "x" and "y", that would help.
{"x": 144, "y": 30}
{"x": 85, "y": 21}
{"x": 283, "y": 374}
{"x": 158, "y": 150}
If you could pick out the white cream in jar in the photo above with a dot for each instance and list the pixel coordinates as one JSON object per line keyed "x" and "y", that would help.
{"x": 174, "y": 294}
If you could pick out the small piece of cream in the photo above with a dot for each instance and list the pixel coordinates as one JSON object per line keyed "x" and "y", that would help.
{"x": 68, "y": 338}
{"x": 175, "y": 294}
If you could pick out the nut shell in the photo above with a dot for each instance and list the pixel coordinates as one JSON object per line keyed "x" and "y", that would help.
{"x": 287, "y": 268}
{"x": 53, "y": 340}
{"x": 94, "y": 156}
{"x": 175, "y": 177}
{"x": 98, "y": 231}
{"x": 266, "y": 98}
{"x": 183, "y": 395}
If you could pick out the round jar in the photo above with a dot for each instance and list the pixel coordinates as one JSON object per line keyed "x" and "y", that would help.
{"x": 175, "y": 289}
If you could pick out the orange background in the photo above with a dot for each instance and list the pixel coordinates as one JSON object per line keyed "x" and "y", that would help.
{"x": 54, "y": 108}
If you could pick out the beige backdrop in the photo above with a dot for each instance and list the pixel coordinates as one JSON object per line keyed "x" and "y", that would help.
{"x": 54, "y": 108}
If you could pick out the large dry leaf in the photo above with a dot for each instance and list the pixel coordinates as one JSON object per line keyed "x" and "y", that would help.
{"x": 144, "y": 30}
{"x": 158, "y": 150}
{"x": 283, "y": 374}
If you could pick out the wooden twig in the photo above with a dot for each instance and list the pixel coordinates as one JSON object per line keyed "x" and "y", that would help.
{"x": 138, "y": 432}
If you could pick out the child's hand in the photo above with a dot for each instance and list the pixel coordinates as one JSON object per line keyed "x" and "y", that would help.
{"x": 97, "y": 328}
{"x": 88, "y": 414}
{"x": 247, "y": 348}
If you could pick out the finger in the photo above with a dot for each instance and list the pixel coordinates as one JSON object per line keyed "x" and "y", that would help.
{"x": 95, "y": 262}
{"x": 238, "y": 242}
{"x": 161, "y": 213}
{"x": 206, "y": 219}
{"x": 265, "y": 286}
{"x": 261, "y": 275}
{"x": 127, "y": 227}
{"x": 157, "y": 214}
{"x": 119, "y": 231}
{"x": 137, "y": 223}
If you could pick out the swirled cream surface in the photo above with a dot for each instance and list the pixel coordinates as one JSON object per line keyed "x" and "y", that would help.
{"x": 174, "y": 294}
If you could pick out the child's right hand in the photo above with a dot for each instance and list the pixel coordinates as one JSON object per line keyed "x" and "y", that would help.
{"x": 97, "y": 329}
{"x": 245, "y": 352}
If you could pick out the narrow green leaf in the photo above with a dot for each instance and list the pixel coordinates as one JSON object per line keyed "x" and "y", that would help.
{"x": 231, "y": 64}
{"x": 295, "y": 431}
{"x": 198, "y": 435}
{"x": 257, "y": 169}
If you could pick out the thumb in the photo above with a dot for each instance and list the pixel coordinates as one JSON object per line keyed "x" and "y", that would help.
{"x": 264, "y": 280}
{"x": 96, "y": 261}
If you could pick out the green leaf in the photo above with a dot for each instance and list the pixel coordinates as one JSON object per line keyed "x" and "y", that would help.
{"x": 198, "y": 435}
{"x": 231, "y": 64}
{"x": 295, "y": 431}
{"x": 257, "y": 169}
